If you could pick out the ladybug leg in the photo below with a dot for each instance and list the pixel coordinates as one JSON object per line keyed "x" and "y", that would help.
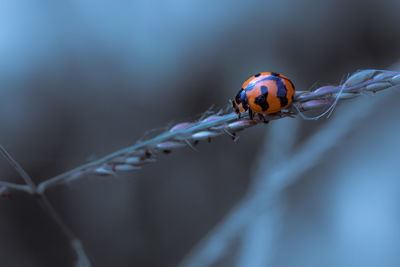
{"x": 251, "y": 114}
{"x": 289, "y": 114}
{"x": 262, "y": 118}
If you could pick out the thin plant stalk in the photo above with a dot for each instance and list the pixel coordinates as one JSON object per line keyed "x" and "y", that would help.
{"x": 49, "y": 209}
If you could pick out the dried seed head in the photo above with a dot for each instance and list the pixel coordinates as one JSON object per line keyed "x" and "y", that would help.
{"x": 346, "y": 95}
{"x": 360, "y": 77}
{"x": 211, "y": 118}
{"x": 170, "y": 145}
{"x": 136, "y": 153}
{"x": 315, "y": 104}
{"x": 299, "y": 93}
{"x": 190, "y": 134}
{"x": 117, "y": 160}
{"x": 104, "y": 171}
{"x": 396, "y": 79}
{"x": 317, "y": 93}
{"x": 383, "y": 76}
{"x": 240, "y": 125}
{"x": 204, "y": 135}
{"x": 181, "y": 126}
{"x": 374, "y": 87}
{"x": 299, "y": 96}
{"x": 133, "y": 160}
{"x": 324, "y": 89}
{"x": 139, "y": 161}
{"x": 125, "y": 168}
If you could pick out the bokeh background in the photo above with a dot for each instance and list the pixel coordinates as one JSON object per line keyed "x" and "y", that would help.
{"x": 81, "y": 79}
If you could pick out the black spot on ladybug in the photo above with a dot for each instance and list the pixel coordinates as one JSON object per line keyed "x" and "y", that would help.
{"x": 235, "y": 107}
{"x": 261, "y": 100}
{"x": 284, "y": 101}
{"x": 282, "y": 92}
{"x": 239, "y": 96}
{"x": 242, "y": 98}
{"x": 258, "y": 74}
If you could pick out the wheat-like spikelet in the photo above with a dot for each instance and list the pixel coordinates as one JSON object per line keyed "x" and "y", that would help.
{"x": 190, "y": 133}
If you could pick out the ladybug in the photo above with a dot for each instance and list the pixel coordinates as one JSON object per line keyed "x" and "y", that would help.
{"x": 264, "y": 93}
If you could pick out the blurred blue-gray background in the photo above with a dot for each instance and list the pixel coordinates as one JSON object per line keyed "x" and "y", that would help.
{"x": 81, "y": 79}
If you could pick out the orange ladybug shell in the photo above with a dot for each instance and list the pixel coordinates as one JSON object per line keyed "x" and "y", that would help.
{"x": 268, "y": 92}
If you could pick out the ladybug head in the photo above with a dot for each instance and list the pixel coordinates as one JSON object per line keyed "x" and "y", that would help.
{"x": 240, "y": 103}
